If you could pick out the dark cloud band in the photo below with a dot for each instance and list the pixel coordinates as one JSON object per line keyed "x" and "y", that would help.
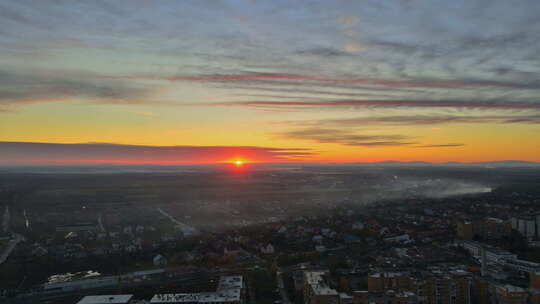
{"x": 31, "y": 152}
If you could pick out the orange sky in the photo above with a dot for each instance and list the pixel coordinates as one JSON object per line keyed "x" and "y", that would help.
{"x": 268, "y": 82}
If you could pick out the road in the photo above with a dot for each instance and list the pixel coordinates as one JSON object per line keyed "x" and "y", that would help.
{"x": 100, "y": 223}
{"x": 172, "y": 218}
{"x": 5, "y": 223}
{"x": 281, "y": 286}
{"x": 16, "y": 238}
{"x": 186, "y": 229}
{"x": 11, "y": 245}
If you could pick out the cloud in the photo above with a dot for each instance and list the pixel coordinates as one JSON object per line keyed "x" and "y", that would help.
{"x": 32, "y": 152}
{"x": 18, "y": 88}
{"x": 351, "y": 138}
{"x": 408, "y": 83}
{"x": 421, "y": 120}
{"x": 347, "y": 138}
{"x": 382, "y": 103}
{"x": 309, "y": 91}
{"x": 323, "y": 52}
{"x": 441, "y": 145}
{"x": 351, "y": 35}
{"x": 353, "y": 46}
{"x": 139, "y": 113}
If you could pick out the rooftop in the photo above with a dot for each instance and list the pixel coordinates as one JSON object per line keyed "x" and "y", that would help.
{"x": 229, "y": 290}
{"x": 316, "y": 281}
{"x": 104, "y": 299}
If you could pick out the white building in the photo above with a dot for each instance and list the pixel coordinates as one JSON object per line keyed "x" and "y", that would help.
{"x": 316, "y": 289}
{"x": 492, "y": 254}
{"x": 526, "y": 226}
{"x": 320, "y": 248}
{"x": 230, "y": 290}
{"x": 159, "y": 260}
{"x": 358, "y": 225}
{"x": 521, "y": 265}
{"x": 106, "y": 299}
{"x": 268, "y": 249}
{"x": 500, "y": 257}
{"x": 101, "y": 282}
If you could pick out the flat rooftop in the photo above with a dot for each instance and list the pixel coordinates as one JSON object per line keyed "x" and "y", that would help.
{"x": 203, "y": 297}
{"x": 228, "y": 282}
{"x": 316, "y": 281}
{"x": 104, "y": 299}
{"x": 229, "y": 290}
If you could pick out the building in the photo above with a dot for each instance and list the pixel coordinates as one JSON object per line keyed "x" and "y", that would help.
{"x": 268, "y": 249}
{"x": 534, "y": 280}
{"x": 521, "y": 265}
{"x": 494, "y": 228}
{"x": 403, "y": 238}
{"x": 465, "y": 230}
{"x": 159, "y": 260}
{"x": 526, "y": 226}
{"x": 383, "y": 281}
{"x": 387, "y": 297}
{"x": 537, "y": 220}
{"x": 500, "y": 257}
{"x": 448, "y": 287}
{"x": 230, "y": 290}
{"x": 488, "y": 228}
{"x": 493, "y": 254}
{"x": 77, "y": 227}
{"x": 482, "y": 291}
{"x": 59, "y": 287}
{"x": 317, "y": 289}
{"x": 509, "y": 294}
{"x": 345, "y": 298}
{"x": 106, "y": 299}
{"x": 488, "y": 291}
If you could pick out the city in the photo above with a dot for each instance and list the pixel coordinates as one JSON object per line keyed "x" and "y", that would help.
{"x": 331, "y": 242}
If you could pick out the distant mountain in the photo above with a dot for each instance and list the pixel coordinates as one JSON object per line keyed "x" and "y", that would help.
{"x": 509, "y": 163}
{"x": 399, "y": 163}
{"x": 505, "y": 163}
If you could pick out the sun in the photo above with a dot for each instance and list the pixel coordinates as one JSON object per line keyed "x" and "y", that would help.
{"x": 238, "y": 163}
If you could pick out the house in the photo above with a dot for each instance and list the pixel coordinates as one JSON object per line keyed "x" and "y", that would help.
{"x": 358, "y": 225}
{"x": 317, "y": 239}
{"x": 320, "y": 248}
{"x": 231, "y": 250}
{"x": 159, "y": 260}
{"x": 268, "y": 249}
{"x": 404, "y": 238}
{"x": 350, "y": 238}
{"x": 131, "y": 248}
{"x": 139, "y": 229}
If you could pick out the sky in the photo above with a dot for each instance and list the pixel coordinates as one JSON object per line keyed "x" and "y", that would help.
{"x": 269, "y": 81}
